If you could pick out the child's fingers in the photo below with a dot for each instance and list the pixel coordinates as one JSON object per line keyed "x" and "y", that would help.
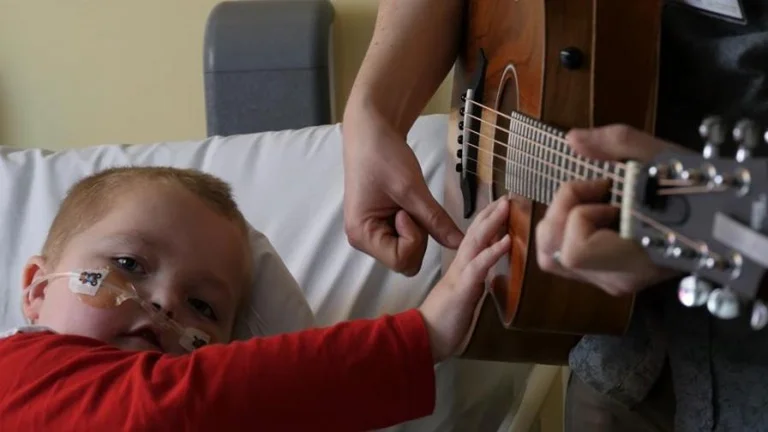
{"x": 485, "y": 226}
{"x": 478, "y": 268}
{"x": 488, "y": 211}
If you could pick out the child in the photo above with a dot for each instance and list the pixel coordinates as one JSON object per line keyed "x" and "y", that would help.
{"x": 174, "y": 242}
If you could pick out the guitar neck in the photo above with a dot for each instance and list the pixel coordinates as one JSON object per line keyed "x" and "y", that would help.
{"x": 527, "y": 157}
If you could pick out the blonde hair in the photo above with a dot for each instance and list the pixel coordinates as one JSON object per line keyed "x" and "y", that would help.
{"x": 91, "y": 198}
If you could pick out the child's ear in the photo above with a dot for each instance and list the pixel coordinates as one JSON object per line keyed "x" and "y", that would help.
{"x": 33, "y": 299}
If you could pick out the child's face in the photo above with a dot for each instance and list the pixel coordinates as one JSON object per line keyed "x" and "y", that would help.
{"x": 179, "y": 254}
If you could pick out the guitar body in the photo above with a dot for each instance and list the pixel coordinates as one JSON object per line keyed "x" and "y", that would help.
{"x": 567, "y": 63}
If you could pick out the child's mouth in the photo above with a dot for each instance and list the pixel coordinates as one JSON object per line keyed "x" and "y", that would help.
{"x": 146, "y": 334}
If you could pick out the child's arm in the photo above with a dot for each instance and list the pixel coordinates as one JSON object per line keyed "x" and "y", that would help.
{"x": 357, "y": 375}
{"x": 354, "y": 376}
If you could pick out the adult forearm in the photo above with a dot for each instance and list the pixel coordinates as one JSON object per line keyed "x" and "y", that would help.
{"x": 413, "y": 48}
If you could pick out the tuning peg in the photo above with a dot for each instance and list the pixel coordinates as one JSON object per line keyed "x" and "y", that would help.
{"x": 759, "y": 315}
{"x": 693, "y": 291}
{"x": 747, "y": 135}
{"x": 722, "y": 303}
{"x": 712, "y": 130}
{"x": 652, "y": 242}
{"x": 683, "y": 252}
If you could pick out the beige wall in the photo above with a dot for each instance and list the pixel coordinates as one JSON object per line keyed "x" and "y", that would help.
{"x": 82, "y": 72}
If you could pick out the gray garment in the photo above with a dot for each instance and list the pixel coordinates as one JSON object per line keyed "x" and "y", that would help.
{"x": 720, "y": 369}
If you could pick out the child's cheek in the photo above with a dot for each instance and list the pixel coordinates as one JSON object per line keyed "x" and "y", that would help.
{"x": 64, "y": 313}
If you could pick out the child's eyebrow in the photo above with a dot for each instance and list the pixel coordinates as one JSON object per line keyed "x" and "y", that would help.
{"x": 132, "y": 238}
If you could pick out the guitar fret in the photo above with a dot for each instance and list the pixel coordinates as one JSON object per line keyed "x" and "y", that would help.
{"x": 542, "y": 171}
{"x": 552, "y": 163}
{"x": 530, "y": 184}
{"x": 519, "y": 148}
{"x": 508, "y": 178}
{"x": 534, "y": 173}
{"x": 524, "y": 145}
{"x": 539, "y": 167}
{"x": 512, "y": 158}
{"x": 514, "y": 155}
{"x": 565, "y": 174}
{"x": 616, "y": 188}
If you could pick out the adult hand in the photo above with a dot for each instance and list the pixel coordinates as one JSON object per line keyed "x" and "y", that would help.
{"x": 577, "y": 225}
{"x": 388, "y": 208}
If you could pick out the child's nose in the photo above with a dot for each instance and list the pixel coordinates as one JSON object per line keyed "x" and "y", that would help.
{"x": 166, "y": 301}
{"x": 167, "y": 312}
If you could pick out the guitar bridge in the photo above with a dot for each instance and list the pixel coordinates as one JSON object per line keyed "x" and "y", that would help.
{"x": 468, "y": 138}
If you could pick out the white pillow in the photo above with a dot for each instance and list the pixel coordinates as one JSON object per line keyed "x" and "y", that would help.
{"x": 35, "y": 181}
{"x": 289, "y": 185}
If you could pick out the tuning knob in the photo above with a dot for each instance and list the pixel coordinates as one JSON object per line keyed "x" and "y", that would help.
{"x": 652, "y": 242}
{"x": 712, "y": 130}
{"x": 747, "y": 135}
{"x": 759, "y": 315}
{"x": 722, "y": 303}
{"x": 693, "y": 291}
{"x": 683, "y": 252}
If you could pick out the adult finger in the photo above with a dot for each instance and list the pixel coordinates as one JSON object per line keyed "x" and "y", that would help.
{"x": 574, "y": 193}
{"x": 549, "y": 230}
{"x": 614, "y": 142}
{"x": 590, "y": 244}
{"x": 401, "y": 248}
{"x": 427, "y": 212}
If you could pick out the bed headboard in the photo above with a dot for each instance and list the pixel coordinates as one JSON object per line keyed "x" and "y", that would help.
{"x": 268, "y": 66}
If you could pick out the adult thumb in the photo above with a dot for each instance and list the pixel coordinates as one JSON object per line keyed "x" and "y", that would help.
{"x": 428, "y": 213}
{"x": 614, "y": 142}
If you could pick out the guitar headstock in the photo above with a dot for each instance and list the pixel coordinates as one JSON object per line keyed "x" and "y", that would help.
{"x": 707, "y": 215}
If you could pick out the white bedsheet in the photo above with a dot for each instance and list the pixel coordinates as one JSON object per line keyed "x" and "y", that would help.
{"x": 289, "y": 185}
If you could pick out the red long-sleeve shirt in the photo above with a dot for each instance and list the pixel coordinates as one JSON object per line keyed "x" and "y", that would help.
{"x": 356, "y": 375}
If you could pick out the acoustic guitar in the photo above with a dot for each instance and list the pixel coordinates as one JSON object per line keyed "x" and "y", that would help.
{"x": 529, "y": 70}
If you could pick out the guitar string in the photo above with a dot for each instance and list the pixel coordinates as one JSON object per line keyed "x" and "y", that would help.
{"x": 534, "y": 158}
{"x": 556, "y": 138}
{"x": 683, "y": 186}
{"x": 508, "y": 117}
{"x": 529, "y": 181}
{"x": 588, "y": 163}
{"x": 658, "y": 226}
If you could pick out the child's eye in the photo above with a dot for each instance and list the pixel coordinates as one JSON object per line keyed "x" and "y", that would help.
{"x": 204, "y": 308}
{"x": 128, "y": 264}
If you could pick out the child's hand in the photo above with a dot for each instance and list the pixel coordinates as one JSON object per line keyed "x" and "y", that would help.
{"x": 449, "y": 307}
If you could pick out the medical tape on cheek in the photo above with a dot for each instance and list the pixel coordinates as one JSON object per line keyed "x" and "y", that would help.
{"x": 103, "y": 289}
{"x": 94, "y": 288}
